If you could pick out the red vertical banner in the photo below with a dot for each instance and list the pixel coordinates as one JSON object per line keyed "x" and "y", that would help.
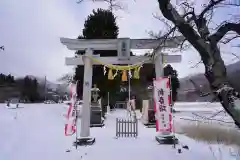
{"x": 70, "y": 126}
{"x": 162, "y": 104}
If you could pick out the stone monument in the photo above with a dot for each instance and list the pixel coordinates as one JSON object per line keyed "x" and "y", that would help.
{"x": 148, "y": 113}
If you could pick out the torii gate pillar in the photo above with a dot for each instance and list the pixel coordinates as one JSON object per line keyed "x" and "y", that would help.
{"x": 88, "y": 71}
{"x": 158, "y": 62}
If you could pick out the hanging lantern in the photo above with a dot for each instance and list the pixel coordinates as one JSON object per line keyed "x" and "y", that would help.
{"x": 124, "y": 75}
{"x": 110, "y": 74}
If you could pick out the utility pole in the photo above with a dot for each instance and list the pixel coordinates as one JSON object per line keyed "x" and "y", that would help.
{"x": 45, "y": 88}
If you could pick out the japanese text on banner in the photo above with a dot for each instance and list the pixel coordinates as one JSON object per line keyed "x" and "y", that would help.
{"x": 162, "y": 102}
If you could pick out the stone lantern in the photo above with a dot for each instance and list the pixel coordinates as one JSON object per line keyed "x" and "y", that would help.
{"x": 95, "y": 97}
{"x": 96, "y": 119}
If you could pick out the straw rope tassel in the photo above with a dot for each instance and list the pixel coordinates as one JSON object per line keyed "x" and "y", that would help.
{"x": 137, "y": 72}
{"x": 110, "y": 74}
{"x": 124, "y": 75}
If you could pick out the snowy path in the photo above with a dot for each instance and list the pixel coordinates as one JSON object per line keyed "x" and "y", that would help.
{"x": 37, "y": 134}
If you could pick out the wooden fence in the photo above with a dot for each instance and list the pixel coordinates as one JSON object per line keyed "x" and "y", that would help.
{"x": 126, "y": 127}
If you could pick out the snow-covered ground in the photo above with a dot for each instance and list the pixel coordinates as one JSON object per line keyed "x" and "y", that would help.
{"x": 205, "y": 112}
{"x": 197, "y": 106}
{"x": 35, "y": 132}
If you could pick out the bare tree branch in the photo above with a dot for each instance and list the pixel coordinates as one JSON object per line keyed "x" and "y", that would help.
{"x": 164, "y": 37}
{"x": 236, "y": 56}
{"x": 229, "y": 39}
{"x": 163, "y": 20}
{"x": 201, "y": 20}
{"x": 171, "y": 14}
{"x": 2, "y": 48}
{"x": 171, "y": 32}
{"x": 112, "y": 4}
{"x": 197, "y": 64}
{"x": 211, "y": 4}
{"x": 66, "y": 78}
{"x": 233, "y": 54}
{"x": 223, "y": 30}
{"x": 80, "y": 1}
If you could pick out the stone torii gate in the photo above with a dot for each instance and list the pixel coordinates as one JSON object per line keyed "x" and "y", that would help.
{"x": 123, "y": 46}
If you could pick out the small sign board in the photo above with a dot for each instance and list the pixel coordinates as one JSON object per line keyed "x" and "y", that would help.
{"x": 123, "y": 47}
{"x": 162, "y": 104}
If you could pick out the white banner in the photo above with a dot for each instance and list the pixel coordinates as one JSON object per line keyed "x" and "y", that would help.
{"x": 162, "y": 104}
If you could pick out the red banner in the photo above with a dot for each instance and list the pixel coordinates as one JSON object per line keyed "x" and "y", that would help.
{"x": 162, "y": 104}
{"x": 70, "y": 126}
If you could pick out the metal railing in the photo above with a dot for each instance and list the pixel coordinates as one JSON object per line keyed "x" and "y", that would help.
{"x": 126, "y": 127}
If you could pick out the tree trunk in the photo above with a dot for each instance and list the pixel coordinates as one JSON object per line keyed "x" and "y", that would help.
{"x": 217, "y": 78}
{"x": 215, "y": 70}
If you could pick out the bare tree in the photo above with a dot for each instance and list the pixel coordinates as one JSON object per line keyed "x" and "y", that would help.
{"x": 194, "y": 27}
{"x": 66, "y": 78}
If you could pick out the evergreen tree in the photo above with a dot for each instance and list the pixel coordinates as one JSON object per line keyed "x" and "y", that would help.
{"x": 29, "y": 89}
{"x": 2, "y": 78}
{"x": 101, "y": 24}
{"x": 34, "y": 96}
{"x": 175, "y": 84}
{"x": 9, "y": 79}
{"x": 6, "y": 79}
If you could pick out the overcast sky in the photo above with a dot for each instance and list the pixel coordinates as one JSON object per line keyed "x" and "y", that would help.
{"x": 30, "y": 31}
